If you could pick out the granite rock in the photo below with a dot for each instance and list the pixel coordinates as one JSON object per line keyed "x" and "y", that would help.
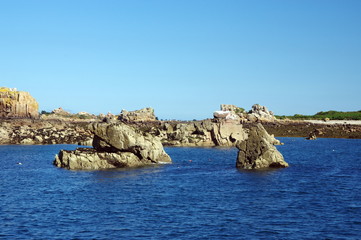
{"x": 115, "y": 145}
{"x": 17, "y": 104}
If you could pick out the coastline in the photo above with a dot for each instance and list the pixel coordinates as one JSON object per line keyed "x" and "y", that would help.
{"x": 40, "y": 131}
{"x": 321, "y": 129}
{"x": 340, "y": 122}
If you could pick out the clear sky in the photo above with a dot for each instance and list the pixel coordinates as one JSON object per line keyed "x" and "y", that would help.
{"x": 183, "y": 57}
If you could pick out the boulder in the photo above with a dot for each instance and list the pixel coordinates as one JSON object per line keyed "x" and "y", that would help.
{"x": 228, "y": 107}
{"x": 257, "y": 152}
{"x": 17, "y": 104}
{"x": 60, "y": 111}
{"x": 261, "y": 113}
{"x": 115, "y": 145}
{"x": 312, "y": 136}
{"x": 145, "y": 114}
{"x": 228, "y": 115}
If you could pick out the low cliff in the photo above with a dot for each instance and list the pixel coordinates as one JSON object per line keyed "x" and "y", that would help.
{"x": 17, "y": 104}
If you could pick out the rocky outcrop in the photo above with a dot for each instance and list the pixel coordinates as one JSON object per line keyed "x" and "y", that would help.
{"x": 60, "y": 111}
{"x": 228, "y": 115}
{"x": 145, "y": 114}
{"x": 260, "y": 113}
{"x": 114, "y": 146}
{"x": 17, "y": 104}
{"x": 257, "y": 151}
{"x": 230, "y": 112}
{"x": 206, "y": 133}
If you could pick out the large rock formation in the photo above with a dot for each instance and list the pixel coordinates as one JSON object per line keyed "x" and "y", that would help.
{"x": 114, "y": 146}
{"x": 257, "y": 151}
{"x": 17, "y": 104}
{"x": 145, "y": 114}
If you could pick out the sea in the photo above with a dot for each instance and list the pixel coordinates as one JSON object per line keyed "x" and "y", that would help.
{"x": 201, "y": 195}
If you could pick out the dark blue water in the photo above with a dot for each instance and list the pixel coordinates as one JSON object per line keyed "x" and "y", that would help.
{"x": 200, "y": 196}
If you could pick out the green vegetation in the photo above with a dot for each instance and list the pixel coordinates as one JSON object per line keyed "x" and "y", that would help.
{"x": 45, "y": 112}
{"x": 239, "y": 110}
{"x": 330, "y": 115}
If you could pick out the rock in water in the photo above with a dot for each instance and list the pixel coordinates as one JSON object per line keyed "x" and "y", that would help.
{"x": 114, "y": 146}
{"x": 258, "y": 152}
{"x": 17, "y": 104}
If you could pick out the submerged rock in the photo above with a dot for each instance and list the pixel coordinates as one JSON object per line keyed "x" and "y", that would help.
{"x": 258, "y": 151}
{"x": 115, "y": 146}
{"x": 312, "y": 136}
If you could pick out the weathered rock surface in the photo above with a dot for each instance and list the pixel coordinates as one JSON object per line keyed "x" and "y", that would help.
{"x": 260, "y": 113}
{"x": 115, "y": 146}
{"x": 206, "y": 133}
{"x": 145, "y": 114}
{"x": 228, "y": 115}
{"x": 60, "y": 111}
{"x": 257, "y": 152}
{"x": 17, "y": 104}
{"x": 230, "y": 112}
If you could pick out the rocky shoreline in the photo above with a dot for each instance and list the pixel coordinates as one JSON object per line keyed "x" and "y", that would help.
{"x": 205, "y": 133}
{"x": 36, "y": 131}
{"x": 136, "y": 138}
{"x": 320, "y": 130}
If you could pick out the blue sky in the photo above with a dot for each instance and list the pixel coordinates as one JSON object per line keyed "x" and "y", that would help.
{"x": 183, "y": 57}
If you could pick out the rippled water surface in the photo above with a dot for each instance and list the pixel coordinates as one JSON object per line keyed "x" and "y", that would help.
{"x": 200, "y": 196}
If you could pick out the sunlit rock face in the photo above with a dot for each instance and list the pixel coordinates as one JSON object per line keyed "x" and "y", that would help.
{"x": 144, "y": 114}
{"x": 17, "y": 104}
{"x": 115, "y": 146}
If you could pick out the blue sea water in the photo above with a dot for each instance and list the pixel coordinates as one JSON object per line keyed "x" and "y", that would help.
{"x": 200, "y": 196}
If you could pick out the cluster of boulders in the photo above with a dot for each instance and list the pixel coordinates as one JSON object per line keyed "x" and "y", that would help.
{"x": 17, "y": 104}
{"x": 258, "y": 113}
{"x": 261, "y": 113}
{"x": 142, "y": 115}
{"x": 62, "y": 115}
{"x": 200, "y": 133}
{"x": 115, "y": 145}
{"x": 122, "y": 145}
